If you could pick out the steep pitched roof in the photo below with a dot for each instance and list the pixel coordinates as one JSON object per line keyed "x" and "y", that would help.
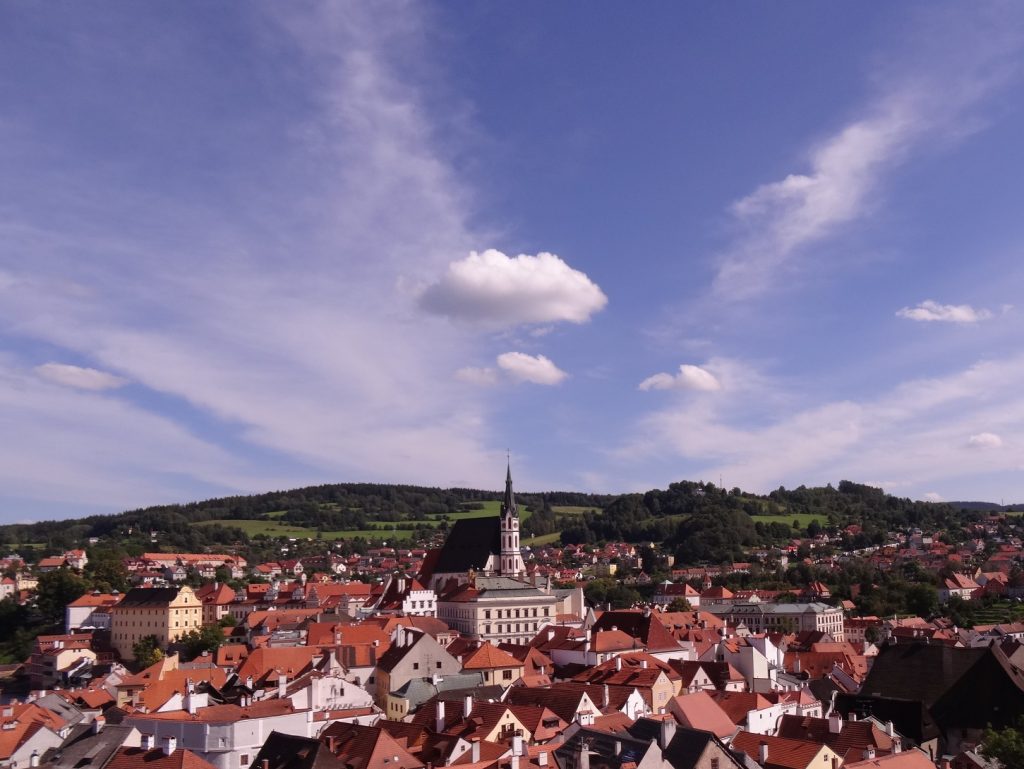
{"x": 287, "y": 751}
{"x": 642, "y": 625}
{"x": 133, "y": 758}
{"x": 852, "y": 735}
{"x": 782, "y": 753}
{"x": 700, "y": 711}
{"x": 489, "y": 657}
{"x": 470, "y": 544}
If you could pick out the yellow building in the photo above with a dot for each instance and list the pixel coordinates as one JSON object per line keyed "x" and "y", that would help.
{"x": 165, "y": 613}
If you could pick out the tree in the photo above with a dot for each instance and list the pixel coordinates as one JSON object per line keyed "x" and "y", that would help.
{"x": 55, "y": 591}
{"x": 205, "y": 639}
{"x": 922, "y": 600}
{"x": 1005, "y": 745}
{"x": 147, "y": 652}
{"x": 680, "y": 604}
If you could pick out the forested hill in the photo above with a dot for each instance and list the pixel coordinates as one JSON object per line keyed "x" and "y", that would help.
{"x": 331, "y": 511}
{"x": 702, "y": 523}
{"x": 697, "y": 521}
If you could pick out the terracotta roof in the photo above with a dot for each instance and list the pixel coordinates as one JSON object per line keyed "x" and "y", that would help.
{"x": 133, "y": 758}
{"x": 221, "y": 714}
{"x": 737, "y": 705}
{"x": 699, "y": 711}
{"x": 489, "y": 657}
{"x": 367, "y": 747}
{"x": 782, "y": 753}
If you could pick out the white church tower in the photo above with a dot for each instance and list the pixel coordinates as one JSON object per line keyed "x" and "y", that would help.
{"x": 512, "y": 564}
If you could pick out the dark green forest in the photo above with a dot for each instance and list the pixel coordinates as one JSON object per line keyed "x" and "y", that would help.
{"x": 697, "y": 522}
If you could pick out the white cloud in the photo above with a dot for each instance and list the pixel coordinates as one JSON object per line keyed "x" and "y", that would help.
{"x": 689, "y": 378}
{"x": 477, "y": 376}
{"x": 985, "y": 441}
{"x": 913, "y": 434}
{"x": 933, "y": 496}
{"x": 500, "y": 290}
{"x": 77, "y": 376}
{"x": 924, "y": 100}
{"x": 312, "y": 367}
{"x": 531, "y": 368}
{"x": 929, "y": 310}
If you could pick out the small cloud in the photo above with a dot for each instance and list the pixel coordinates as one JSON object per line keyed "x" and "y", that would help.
{"x": 531, "y": 368}
{"x": 688, "y": 378}
{"x": 933, "y": 496}
{"x": 484, "y": 377}
{"x": 929, "y": 311}
{"x": 79, "y": 377}
{"x": 985, "y": 441}
{"x": 493, "y": 288}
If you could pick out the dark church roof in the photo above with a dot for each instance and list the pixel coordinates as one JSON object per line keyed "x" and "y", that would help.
{"x": 470, "y": 543}
{"x": 923, "y": 686}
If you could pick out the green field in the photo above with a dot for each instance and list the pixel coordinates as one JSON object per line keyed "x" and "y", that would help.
{"x": 271, "y": 529}
{"x": 788, "y": 518}
{"x": 544, "y": 539}
{"x": 573, "y": 509}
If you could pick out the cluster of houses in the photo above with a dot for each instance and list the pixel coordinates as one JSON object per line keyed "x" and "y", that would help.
{"x": 317, "y": 672}
{"x": 472, "y": 656}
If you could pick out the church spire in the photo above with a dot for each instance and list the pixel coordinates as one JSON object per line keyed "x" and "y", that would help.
{"x": 508, "y": 505}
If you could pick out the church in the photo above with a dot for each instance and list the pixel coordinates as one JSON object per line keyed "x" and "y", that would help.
{"x": 484, "y": 546}
{"x": 483, "y": 588}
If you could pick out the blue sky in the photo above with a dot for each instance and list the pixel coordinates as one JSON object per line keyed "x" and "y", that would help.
{"x": 246, "y": 247}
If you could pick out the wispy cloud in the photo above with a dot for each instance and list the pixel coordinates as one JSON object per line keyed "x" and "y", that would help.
{"x": 83, "y": 378}
{"x": 689, "y": 377}
{"x": 922, "y": 100}
{"x": 930, "y": 311}
{"x": 536, "y": 369}
{"x": 985, "y": 441}
{"x": 286, "y": 329}
{"x": 913, "y": 435}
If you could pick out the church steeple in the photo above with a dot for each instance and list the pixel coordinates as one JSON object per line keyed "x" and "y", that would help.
{"x": 509, "y": 503}
{"x": 510, "y": 558}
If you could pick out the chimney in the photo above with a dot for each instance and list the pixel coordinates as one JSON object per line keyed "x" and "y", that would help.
{"x": 888, "y": 728}
{"x": 604, "y": 697}
{"x": 148, "y": 742}
{"x": 282, "y": 685}
{"x": 542, "y": 758}
{"x": 851, "y": 716}
{"x": 33, "y": 760}
{"x": 835, "y": 723}
{"x": 514, "y": 763}
{"x": 170, "y": 745}
{"x": 98, "y": 723}
{"x": 668, "y": 731}
{"x": 265, "y": 763}
{"x": 583, "y": 759}
{"x": 762, "y": 754}
{"x": 897, "y": 745}
{"x": 643, "y": 664}
{"x": 475, "y": 753}
{"x": 467, "y": 706}
{"x": 618, "y": 663}
{"x": 517, "y": 746}
{"x": 439, "y": 717}
{"x": 869, "y": 753}
{"x": 249, "y": 682}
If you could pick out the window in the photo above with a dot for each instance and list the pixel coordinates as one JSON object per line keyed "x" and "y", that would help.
{"x": 439, "y": 664}
{"x": 415, "y": 666}
{"x": 506, "y": 675}
{"x": 714, "y": 763}
{"x": 243, "y": 760}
